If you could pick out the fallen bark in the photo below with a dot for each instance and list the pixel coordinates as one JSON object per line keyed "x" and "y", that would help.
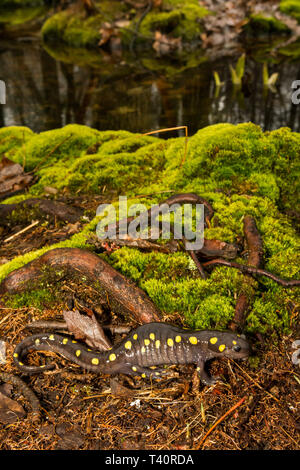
{"x": 46, "y": 206}
{"x": 115, "y": 290}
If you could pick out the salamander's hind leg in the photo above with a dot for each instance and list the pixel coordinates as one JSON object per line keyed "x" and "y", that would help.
{"x": 204, "y": 376}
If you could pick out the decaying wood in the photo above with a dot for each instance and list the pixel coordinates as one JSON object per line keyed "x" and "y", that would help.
{"x": 255, "y": 259}
{"x": 46, "y": 206}
{"x": 210, "y": 249}
{"x": 115, "y": 290}
{"x": 25, "y": 390}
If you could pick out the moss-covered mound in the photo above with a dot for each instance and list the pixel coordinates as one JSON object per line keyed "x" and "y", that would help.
{"x": 238, "y": 168}
{"x": 176, "y": 18}
{"x": 260, "y": 24}
{"x": 291, "y": 7}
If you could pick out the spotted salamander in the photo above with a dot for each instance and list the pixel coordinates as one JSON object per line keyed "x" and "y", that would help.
{"x": 143, "y": 349}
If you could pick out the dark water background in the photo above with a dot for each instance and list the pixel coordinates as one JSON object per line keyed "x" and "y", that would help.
{"x": 44, "y": 93}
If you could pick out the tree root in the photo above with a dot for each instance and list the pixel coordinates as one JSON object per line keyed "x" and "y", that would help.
{"x": 120, "y": 294}
{"x": 46, "y": 206}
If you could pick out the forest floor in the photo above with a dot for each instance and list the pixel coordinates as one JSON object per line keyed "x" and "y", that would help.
{"x": 87, "y": 411}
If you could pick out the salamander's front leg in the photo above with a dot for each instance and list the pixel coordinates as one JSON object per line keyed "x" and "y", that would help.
{"x": 204, "y": 376}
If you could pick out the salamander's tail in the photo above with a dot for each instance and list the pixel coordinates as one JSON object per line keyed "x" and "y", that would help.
{"x": 64, "y": 345}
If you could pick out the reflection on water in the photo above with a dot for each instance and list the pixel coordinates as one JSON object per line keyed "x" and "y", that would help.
{"x": 43, "y": 94}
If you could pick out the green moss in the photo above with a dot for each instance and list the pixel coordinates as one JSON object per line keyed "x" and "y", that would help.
{"x": 72, "y": 30}
{"x": 19, "y": 16}
{"x": 75, "y": 29}
{"x": 238, "y": 168}
{"x": 181, "y": 20}
{"x": 263, "y": 24}
{"x": 291, "y": 7}
{"x": 21, "y": 3}
{"x": 11, "y": 138}
{"x": 39, "y": 299}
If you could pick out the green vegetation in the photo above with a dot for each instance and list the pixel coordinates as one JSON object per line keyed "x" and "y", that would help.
{"x": 291, "y": 7}
{"x": 238, "y": 168}
{"x": 181, "y": 19}
{"x": 21, "y": 3}
{"x": 262, "y": 24}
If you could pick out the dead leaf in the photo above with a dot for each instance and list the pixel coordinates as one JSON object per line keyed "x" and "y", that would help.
{"x": 107, "y": 30}
{"x": 164, "y": 45}
{"x": 10, "y": 410}
{"x": 86, "y": 328}
{"x": 119, "y": 390}
{"x": 12, "y": 177}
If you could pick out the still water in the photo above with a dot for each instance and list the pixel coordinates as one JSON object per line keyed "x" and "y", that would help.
{"x": 45, "y": 93}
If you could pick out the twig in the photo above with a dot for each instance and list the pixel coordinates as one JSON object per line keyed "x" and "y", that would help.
{"x": 252, "y": 270}
{"x": 21, "y": 231}
{"x": 174, "y": 129}
{"x": 219, "y": 421}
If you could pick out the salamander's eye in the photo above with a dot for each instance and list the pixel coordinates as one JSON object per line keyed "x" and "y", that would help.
{"x": 236, "y": 348}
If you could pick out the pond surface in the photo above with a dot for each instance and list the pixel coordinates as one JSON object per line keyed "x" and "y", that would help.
{"x": 44, "y": 93}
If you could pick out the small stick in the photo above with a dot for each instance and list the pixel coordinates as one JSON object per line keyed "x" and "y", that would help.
{"x": 252, "y": 270}
{"x": 21, "y": 231}
{"x": 219, "y": 421}
{"x": 174, "y": 129}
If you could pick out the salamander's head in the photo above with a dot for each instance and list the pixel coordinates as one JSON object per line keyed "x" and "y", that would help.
{"x": 228, "y": 344}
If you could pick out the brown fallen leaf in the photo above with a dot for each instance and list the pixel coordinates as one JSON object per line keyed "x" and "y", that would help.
{"x": 10, "y": 410}
{"x": 119, "y": 390}
{"x": 12, "y": 177}
{"x": 86, "y": 328}
{"x": 164, "y": 45}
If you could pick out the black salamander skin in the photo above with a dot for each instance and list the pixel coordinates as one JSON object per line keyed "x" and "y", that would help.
{"x": 149, "y": 345}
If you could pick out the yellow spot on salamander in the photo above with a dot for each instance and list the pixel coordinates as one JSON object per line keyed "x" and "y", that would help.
{"x": 170, "y": 342}
{"x": 95, "y": 361}
{"x": 147, "y": 342}
{"x": 16, "y": 355}
{"x": 78, "y": 352}
{"x": 51, "y": 337}
{"x": 135, "y": 336}
{"x": 21, "y": 363}
{"x": 65, "y": 340}
{"x": 143, "y": 350}
{"x": 73, "y": 341}
{"x": 37, "y": 341}
{"x": 213, "y": 340}
{"x": 178, "y": 339}
{"x": 128, "y": 345}
{"x": 152, "y": 367}
{"x": 152, "y": 336}
{"x": 193, "y": 340}
{"x": 112, "y": 357}
{"x": 233, "y": 342}
{"x": 222, "y": 347}
{"x": 157, "y": 344}
{"x": 133, "y": 368}
{"x": 143, "y": 375}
